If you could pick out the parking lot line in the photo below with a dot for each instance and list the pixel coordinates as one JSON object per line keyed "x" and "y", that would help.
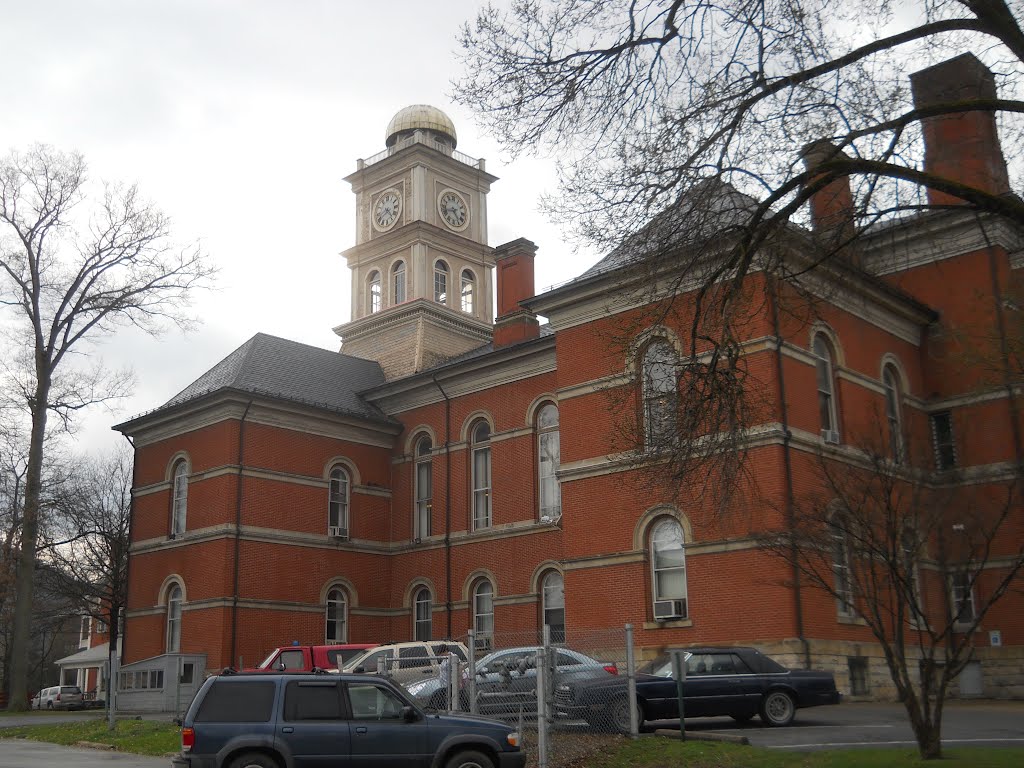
{"x": 833, "y": 744}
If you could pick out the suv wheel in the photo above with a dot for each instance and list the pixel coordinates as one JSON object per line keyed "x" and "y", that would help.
{"x": 254, "y": 760}
{"x": 469, "y": 759}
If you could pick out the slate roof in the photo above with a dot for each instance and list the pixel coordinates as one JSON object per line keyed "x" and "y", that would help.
{"x": 287, "y": 370}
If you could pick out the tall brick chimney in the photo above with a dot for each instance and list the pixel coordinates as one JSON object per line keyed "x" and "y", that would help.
{"x": 962, "y": 147}
{"x": 514, "y": 261}
{"x": 832, "y": 205}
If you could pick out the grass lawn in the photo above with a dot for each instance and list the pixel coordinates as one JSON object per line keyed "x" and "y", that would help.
{"x": 146, "y": 737}
{"x": 142, "y": 737}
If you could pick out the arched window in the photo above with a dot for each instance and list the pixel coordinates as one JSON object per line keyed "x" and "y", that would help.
{"x": 173, "y": 643}
{"x": 823, "y": 358}
{"x": 375, "y": 300}
{"x": 468, "y": 285}
{"x": 548, "y": 459}
{"x": 483, "y": 614}
{"x": 398, "y": 283}
{"x": 440, "y": 282}
{"x": 553, "y": 598}
{"x": 337, "y": 504}
{"x": 337, "y": 617}
{"x": 660, "y": 393}
{"x": 179, "y": 503}
{"x": 668, "y": 569}
{"x": 481, "y": 475}
{"x": 423, "y": 605}
{"x": 841, "y": 564}
{"x": 890, "y": 381}
{"x": 424, "y": 489}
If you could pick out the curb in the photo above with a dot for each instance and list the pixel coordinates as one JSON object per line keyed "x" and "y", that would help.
{"x": 703, "y": 736}
{"x": 95, "y": 745}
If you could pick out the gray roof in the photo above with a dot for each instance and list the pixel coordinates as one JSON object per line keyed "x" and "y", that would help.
{"x": 710, "y": 209}
{"x": 287, "y": 370}
{"x": 89, "y": 657}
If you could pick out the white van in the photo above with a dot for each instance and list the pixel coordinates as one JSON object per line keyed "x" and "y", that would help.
{"x": 58, "y": 697}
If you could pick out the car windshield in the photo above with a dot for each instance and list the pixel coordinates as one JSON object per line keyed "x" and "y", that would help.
{"x": 266, "y": 662}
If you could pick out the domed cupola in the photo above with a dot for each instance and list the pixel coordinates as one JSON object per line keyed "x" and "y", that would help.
{"x": 421, "y": 117}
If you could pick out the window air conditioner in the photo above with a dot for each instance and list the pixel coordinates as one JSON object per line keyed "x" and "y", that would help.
{"x": 669, "y": 609}
{"x": 337, "y": 532}
{"x": 830, "y": 436}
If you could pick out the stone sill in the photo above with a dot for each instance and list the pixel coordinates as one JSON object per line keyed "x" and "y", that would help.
{"x": 677, "y": 624}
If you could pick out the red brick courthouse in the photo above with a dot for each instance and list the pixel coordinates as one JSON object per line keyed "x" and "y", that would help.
{"x": 459, "y": 464}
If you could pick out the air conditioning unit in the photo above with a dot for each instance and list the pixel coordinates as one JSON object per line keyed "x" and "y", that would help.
{"x": 669, "y": 609}
{"x": 337, "y": 532}
{"x": 830, "y": 436}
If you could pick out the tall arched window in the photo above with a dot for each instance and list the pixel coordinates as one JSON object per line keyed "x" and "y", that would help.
{"x": 660, "y": 393}
{"x": 841, "y": 564}
{"x": 553, "y": 598}
{"x": 483, "y": 614}
{"x": 337, "y": 504}
{"x": 398, "y": 283}
{"x": 337, "y": 617}
{"x": 481, "y": 475}
{"x": 468, "y": 285}
{"x": 890, "y": 381}
{"x": 440, "y": 282}
{"x": 668, "y": 569}
{"x": 423, "y": 605}
{"x": 375, "y": 299}
{"x": 548, "y": 460}
{"x": 424, "y": 489}
{"x": 823, "y": 358}
{"x": 179, "y": 504}
{"x": 173, "y": 642}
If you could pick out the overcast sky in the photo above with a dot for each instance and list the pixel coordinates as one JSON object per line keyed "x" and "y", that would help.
{"x": 240, "y": 118}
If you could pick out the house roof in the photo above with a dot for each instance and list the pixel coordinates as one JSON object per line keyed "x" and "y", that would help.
{"x": 287, "y": 370}
{"x": 89, "y": 657}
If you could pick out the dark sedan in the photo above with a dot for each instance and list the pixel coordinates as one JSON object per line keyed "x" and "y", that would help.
{"x": 738, "y": 682}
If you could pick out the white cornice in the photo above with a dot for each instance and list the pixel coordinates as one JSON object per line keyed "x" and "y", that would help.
{"x": 413, "y": 155}
{"x": 932, "y": 237}
{"x": 419, "y": 232}
{"x": 415, "y": 311}
{"x": 206, "y": 411}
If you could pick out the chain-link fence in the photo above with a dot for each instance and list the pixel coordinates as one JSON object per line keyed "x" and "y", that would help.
{"x": 567, "y": 699}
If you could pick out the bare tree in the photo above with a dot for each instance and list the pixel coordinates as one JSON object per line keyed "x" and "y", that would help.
{"x": 92, "y": 562}
{"x": 69, "y": 276}
{"x": 917, "y": 558}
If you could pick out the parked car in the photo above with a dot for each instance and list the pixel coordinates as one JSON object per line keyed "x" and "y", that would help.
{"x": 58, "y": 697}
{"x": 252, "y": 720}
{"x": 738, "y": 682}
{"x": 302, "y": 658}
{"x": 506, "y": 680}
{"x": 405, "y": 662}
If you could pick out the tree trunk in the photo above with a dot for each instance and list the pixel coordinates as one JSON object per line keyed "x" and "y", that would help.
{"x": 928, "y": 732}
{"x": 25, "y": 580}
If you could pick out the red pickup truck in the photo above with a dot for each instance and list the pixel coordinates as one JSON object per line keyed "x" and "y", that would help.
{"x": 295, "y": 658}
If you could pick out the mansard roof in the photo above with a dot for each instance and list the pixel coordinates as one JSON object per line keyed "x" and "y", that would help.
{"x": 287, "y": 370}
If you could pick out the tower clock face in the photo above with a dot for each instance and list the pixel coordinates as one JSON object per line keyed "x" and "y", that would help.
{"x": 453, "y": 209}
{"x": 386, "y": 209}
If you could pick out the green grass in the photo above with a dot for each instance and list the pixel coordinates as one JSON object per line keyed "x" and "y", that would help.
{"x": 142, "y": 737}
{"x": 146, "y": 737}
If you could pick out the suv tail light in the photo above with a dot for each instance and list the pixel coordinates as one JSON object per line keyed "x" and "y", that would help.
{"x": 188, "y": 739}
{"x": 611, "y": 669}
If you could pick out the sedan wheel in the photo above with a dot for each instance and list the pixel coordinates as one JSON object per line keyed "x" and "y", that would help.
{"x": 777, "y": 709}
{"x": 618, "y": 715}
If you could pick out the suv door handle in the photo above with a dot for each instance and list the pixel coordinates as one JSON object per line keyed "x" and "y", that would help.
{"x": 361, "y": 729}
{"x": 288, "y": 729}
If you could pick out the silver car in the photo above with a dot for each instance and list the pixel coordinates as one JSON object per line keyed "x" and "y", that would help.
{"x": 506, "y": 680}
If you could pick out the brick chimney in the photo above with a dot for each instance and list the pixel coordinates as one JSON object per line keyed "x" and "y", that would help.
{"x": 962, "y": 147}
{"x": 513, "y": 324}
{"x": 831, "y": 206}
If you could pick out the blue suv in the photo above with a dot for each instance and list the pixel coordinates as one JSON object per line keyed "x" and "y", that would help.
{"x": 301, "y": 720}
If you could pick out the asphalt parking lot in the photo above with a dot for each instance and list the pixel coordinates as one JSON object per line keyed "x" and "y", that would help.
{"x": 871, "y": 724}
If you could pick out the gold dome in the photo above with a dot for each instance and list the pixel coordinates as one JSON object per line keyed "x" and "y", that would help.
{"x": 422, "y": 117}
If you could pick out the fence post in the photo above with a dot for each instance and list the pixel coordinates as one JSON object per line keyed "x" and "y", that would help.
{"x": 472, "y": 671}
{"x": 634, "y": 720}
{"x": 679, "y": 673}
{"x": 453, "y": 683}
{"x": 542, "y": 699}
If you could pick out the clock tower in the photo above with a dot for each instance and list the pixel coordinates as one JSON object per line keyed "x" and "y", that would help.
{"x": 421, "y": 268}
